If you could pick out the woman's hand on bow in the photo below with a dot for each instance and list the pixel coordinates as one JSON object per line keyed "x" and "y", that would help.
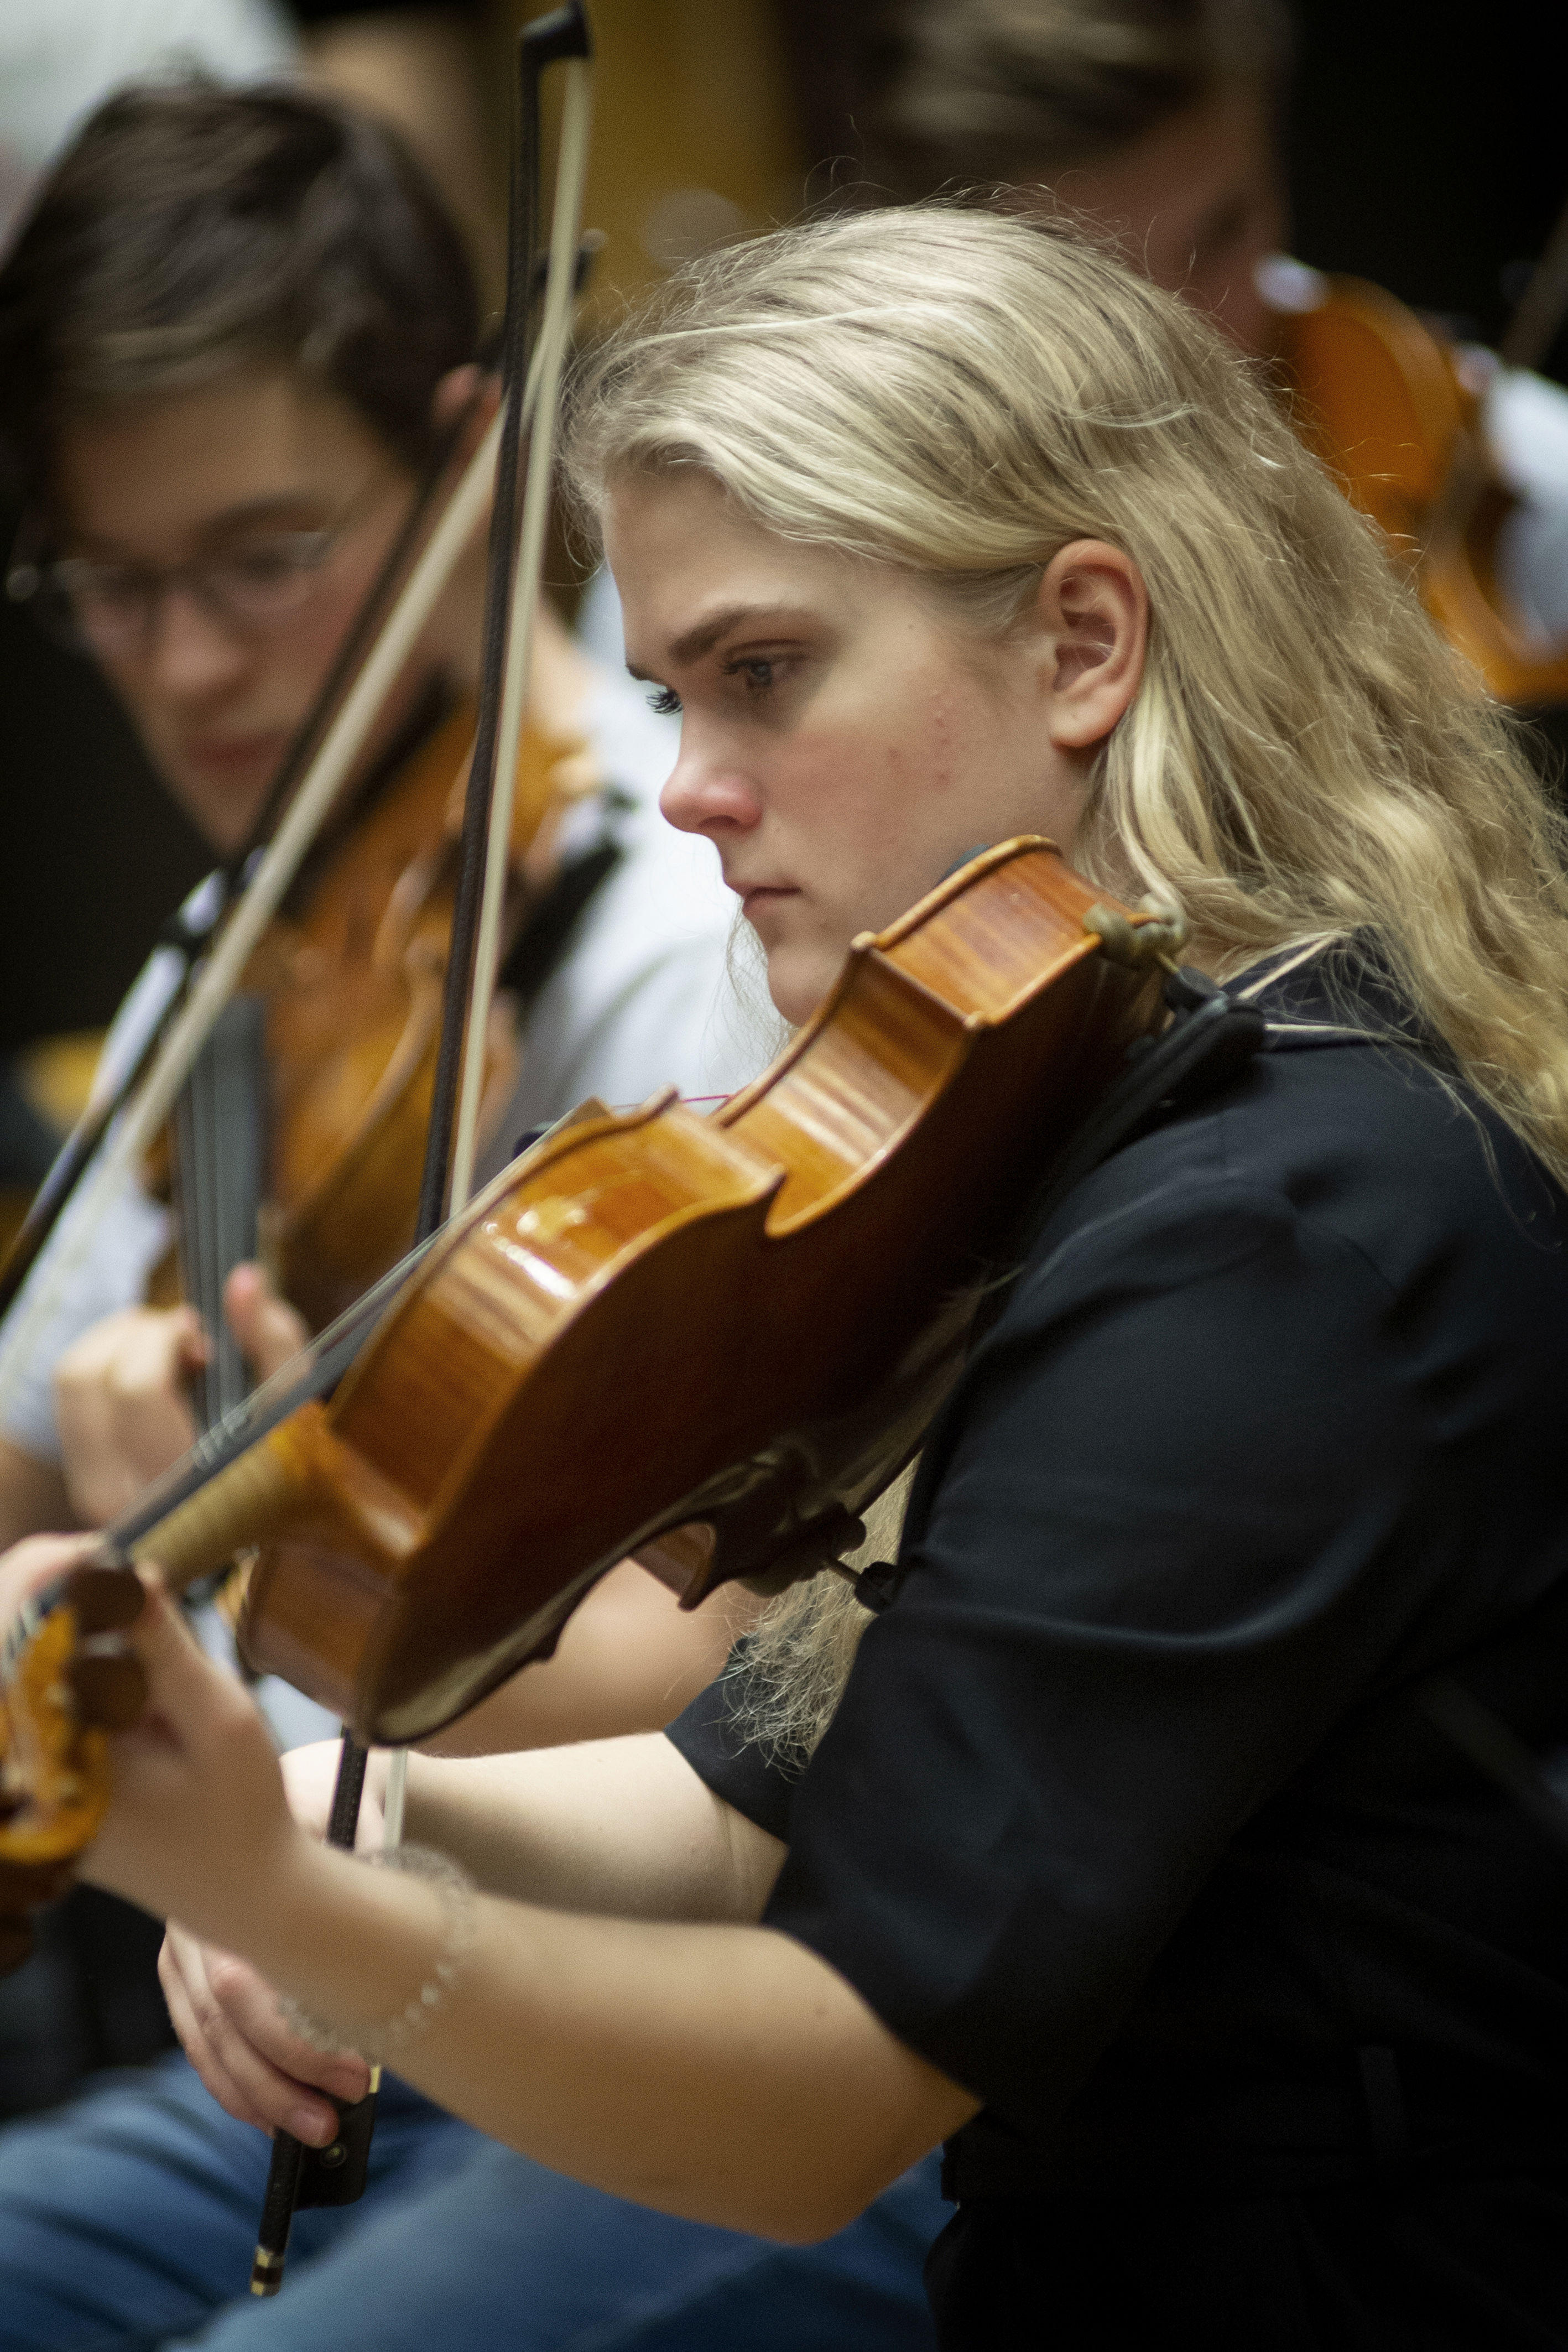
{"x": 227, "y": 2016}
{"x": 232, "y": 2030}
{"x": 198, "y": 1827}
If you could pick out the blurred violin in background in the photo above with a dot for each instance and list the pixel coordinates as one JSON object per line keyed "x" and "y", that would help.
{"x": 1398, "y": 412}
{"x": 301, "y": 1131}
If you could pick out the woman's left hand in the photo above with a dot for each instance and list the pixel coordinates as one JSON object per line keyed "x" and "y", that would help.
{"x": 197, "y": 1823}
{"x": 198, "y": 1827}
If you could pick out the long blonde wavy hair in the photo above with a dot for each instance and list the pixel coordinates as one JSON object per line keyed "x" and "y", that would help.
{"x": 958, "y": 393}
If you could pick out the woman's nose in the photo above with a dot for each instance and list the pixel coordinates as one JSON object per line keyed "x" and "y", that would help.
{"x": 697, "y": 799}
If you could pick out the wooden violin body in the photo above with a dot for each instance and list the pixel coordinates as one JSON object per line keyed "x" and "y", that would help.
{"x": 660, "y": 1322}
{"x": 1382, "y": 404}
{"x": 350, "y": 986}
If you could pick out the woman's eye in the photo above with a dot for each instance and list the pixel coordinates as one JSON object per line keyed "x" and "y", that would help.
{"x": 665, "y": 702}
{"x": 260, "y": 565}
{"x": 756, "y": 673}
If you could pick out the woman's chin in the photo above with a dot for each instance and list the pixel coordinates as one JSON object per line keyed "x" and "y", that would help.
{"x": 798, "y": 983}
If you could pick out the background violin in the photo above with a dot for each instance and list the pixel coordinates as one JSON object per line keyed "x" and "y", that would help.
{"x": 1385, "y": 406}
{"x": 334, "y": 1032}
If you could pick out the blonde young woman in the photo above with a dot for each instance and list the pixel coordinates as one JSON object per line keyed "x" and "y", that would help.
{"x": 1129, "y": 1862}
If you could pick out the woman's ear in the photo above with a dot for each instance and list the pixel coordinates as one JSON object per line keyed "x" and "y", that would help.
{"x": 1093, "y": 613}
{"x": 456, "y": 392}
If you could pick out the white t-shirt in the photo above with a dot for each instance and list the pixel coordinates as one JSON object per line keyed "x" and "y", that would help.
{"x": 1527, "y": 432}
{"x": 1525, "y": 420}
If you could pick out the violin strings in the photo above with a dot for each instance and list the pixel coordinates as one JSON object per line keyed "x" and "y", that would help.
{"x": 218, "y": 1178}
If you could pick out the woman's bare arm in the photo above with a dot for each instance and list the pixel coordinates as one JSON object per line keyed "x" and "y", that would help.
{"x": 617, "y": 1827}
{"x": 720, "y": 2072}
{"x": 629, "y": 1659}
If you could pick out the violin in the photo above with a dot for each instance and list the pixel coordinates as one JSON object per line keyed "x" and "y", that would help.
{"x": 348, "y": 990}
{"x": 1383, "y": 402}
{"x": 707, "y": 1342}
{"x": 298, "y": 1131}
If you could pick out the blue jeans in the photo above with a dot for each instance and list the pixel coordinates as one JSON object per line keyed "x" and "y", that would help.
{"x": 128, "y": 2219}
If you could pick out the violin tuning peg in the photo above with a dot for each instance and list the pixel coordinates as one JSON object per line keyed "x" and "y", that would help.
{"x": 110, "y": 1687}
{"x": 104, "y": 1599}
{"x": 1137, "y": 945}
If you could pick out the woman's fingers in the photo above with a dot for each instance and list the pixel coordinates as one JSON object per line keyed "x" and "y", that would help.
{"x": 34, "y": 1561}
{"x": 199, "y": 2049}
{"x": 121, "y": 1405}
{"x": 245, "y": 2084}
{"x": 257, "y": 2068}
{"x": 234, "y": 2000}
{"x": 268, "y": 1329}
{"x": 311, "y": 1781}
{"x": 197, "y": 1825}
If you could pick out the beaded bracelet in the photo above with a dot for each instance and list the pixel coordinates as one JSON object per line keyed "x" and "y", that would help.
{"x": 458, "y": 1898}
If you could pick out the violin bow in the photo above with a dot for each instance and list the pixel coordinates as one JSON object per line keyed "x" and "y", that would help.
{"x": 554, "y": 339}
{"x": 336, "y": 2174}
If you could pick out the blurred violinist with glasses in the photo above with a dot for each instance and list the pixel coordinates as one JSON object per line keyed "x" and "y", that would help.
{"x": 254, "y": 581}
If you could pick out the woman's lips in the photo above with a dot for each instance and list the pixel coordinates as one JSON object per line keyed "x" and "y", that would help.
{"x": 755, "y": 895}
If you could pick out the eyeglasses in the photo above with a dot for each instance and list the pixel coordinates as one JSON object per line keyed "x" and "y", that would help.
{"x": 112, "y": 609}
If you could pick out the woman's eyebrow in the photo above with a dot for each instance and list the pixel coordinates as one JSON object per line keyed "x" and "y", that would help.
{"x": 705, "y": 635}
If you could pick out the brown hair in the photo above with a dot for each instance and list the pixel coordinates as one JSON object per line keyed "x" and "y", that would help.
{"x": 190, "y": 229}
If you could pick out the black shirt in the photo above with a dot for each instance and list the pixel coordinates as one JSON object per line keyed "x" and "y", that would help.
{"x": 1130, "y": 1819}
